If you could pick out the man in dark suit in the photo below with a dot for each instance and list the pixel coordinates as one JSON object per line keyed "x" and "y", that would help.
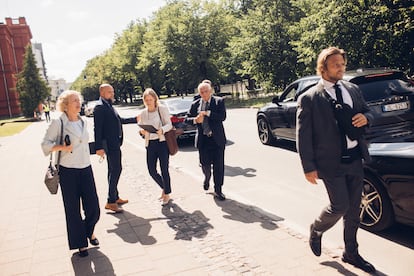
{"x": 208, "y": 113}
{"x": 108, "y": 140}
{"x": 328, "y": 153}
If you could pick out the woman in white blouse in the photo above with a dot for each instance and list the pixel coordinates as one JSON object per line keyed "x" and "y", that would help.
{"x": 76, "y": 177}
{"x": 158, "y": 116}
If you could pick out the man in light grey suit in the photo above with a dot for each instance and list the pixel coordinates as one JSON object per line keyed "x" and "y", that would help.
{"x": 327, "y": 152}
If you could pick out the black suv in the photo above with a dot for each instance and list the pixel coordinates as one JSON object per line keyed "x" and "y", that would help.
{"x": 388, "y": 93}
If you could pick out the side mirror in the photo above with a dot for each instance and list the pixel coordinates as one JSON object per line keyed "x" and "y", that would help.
{"x": 276, "y": 100}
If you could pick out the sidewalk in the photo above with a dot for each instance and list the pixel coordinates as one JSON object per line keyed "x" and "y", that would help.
{"x": 194, "y": 235}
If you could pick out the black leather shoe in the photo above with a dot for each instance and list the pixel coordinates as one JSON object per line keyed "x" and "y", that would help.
{"x": 206, "y": 185}
{"x": 94, "y": 241}
{"x": 83, "y": 253}
{"x": 220, "y": 196}
{"x": 357, "y": 261}
{"x": 315, "y": 241}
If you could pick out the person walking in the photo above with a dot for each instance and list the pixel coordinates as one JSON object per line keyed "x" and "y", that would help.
{"x": 46, "y": 109}
{"x": 156, "y": 116}
{"x": 208, "y": 112}
{"x": 76, "y": 177}
{"x": 108, "y": 140}
{"x": 327, "y": 153}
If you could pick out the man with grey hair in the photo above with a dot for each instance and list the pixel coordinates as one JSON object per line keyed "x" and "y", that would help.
{"x": 208, "y": 112}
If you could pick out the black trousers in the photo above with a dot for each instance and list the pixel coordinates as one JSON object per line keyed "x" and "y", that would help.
{"x": 344, "y": 191}
{"x": 157, "y": 150}
{"x": 211, "y": 154}
{"x": 114, "y": 172}
{"x": 78, "y": 186}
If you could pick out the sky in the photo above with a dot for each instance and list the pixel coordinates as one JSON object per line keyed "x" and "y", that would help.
{"x": 73, "y": 31}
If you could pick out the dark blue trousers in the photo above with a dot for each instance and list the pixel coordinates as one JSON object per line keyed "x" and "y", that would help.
{"x": 157, "y": 150}
{"x": 78, "y": 187}
{"x": 212, "y": 154}
{"x": 114, "y": 172}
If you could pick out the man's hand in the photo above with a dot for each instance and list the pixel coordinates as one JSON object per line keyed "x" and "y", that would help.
{"x": 359, "y": 120}
{"x": 311, "y": 177}
{"x": 200, "y": 117}
{"x": 101, "y": 152}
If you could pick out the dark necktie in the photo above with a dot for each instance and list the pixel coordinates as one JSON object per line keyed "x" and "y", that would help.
{"x": 338, "y": 94}
{"x": 205, "y": 124}
{"x": 340, "y": 100}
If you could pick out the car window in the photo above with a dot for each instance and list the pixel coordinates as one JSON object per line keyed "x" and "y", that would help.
{"x": 180, "y": 104}
{"x": 305, "y": 85}
{"x": 289, "y": 95}
{"x": 380, "y": 89}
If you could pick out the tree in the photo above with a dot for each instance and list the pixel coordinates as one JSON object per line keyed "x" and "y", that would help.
{"x": 31, "y": 87}
{"x": 263, "y": 44}
{"x": 375, "y": 33}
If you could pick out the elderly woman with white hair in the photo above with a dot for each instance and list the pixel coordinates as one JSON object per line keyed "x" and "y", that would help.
{"x": 76, "y": 177}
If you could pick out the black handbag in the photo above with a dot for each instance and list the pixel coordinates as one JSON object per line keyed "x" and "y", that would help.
{"x": 343, "y": 114}
{"x": 52, "y": 172}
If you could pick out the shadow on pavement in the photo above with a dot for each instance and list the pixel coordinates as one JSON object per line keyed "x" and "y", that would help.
{"x": 133, "y": 229}
{"x": 343, "y": 271}
{"x": 236, "y": 171}
{"x": 248, "y": 214}
{"x": 96, "y": 263}
{"x": 187, "y": 225}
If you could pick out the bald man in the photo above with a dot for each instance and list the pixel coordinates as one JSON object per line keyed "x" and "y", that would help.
{"x": 108, "y": 141}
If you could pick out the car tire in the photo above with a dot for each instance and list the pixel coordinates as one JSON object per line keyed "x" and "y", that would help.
{"x": 376, "y": 211}
{"x": 265, "y": 134}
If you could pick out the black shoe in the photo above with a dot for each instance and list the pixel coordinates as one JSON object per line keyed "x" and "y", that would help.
{"x": 315, "y": 241}
{"x": 220, "y": 196}
{"x": 83, "y": 253}
{"x": 94, "y": 241}
{"x": 206, "y": 185}
{"x": 357, "y": 261}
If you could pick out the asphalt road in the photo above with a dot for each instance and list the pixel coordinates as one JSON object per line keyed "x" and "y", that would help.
{"x": 271, "y": 178}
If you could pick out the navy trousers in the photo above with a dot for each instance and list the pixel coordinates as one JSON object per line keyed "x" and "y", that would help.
{"x": 114, "y": 172}
{"x": 78, "y": 187}
{"x": 157, "y": 150}
{"x": 212, "y": 154}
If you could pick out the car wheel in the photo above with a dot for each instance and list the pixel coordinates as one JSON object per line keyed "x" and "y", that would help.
{"x": 376, "y": 212}
{"x": 265, "y": 135}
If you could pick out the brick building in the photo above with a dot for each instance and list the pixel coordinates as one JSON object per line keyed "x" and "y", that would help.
{"x": 15, "y": 35}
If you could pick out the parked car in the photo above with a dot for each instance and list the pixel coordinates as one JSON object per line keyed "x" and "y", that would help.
{"x": 388, "y": 93}
{"x": 90, "y": 106}
{"x": 178, "y": 108}
{"x": 82, "y": 110}
{"x": 388, "y": 193}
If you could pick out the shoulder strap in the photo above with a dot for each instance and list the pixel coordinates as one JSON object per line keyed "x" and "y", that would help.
{"x": 60, "y": 143}
{"x": 159, "y": 114}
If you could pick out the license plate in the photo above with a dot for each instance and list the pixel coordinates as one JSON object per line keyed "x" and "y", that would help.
{"x": 395, "y": 106}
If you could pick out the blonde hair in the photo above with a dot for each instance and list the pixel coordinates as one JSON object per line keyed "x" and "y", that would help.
{"x": 63, "y": 100}
{"x": 323, "y": 56}
{"x": 152, "y": 93}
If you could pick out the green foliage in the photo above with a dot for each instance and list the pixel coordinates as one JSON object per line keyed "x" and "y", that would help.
{"x": 375, "y": 33}
{"x": 269, "y": 42}
{"x": 263, "y": 48}
{"x": 31, "y": 87}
